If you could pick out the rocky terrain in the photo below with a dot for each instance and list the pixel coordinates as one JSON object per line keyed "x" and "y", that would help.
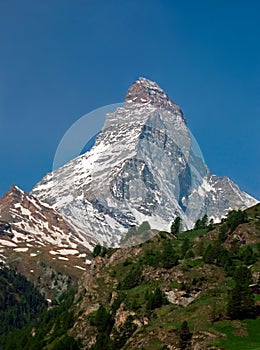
{"x": 38, "y": 242}
{"x": 172, "y": 292}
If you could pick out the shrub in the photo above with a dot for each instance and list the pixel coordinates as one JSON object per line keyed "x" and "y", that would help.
{"x": 132, "y": 279}
{"x": 169, "y": 256}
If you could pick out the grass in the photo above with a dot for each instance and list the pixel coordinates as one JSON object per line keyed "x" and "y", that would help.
{"x": 192, "y": 262}
{"x": 257, "y": 266}
{"x": 192, "y": 234}
{"x": 236, "y": 342}
{"x": 155, "y": 343}
{"x": 253, "y": 211}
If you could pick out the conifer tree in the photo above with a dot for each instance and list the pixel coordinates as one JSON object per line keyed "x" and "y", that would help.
{"x": 169, "y": 256}
{"x": 185, "y": 246}
{"x": 185, "y": 336}
{"x": 176, "y": 226}
{"x": 241, "y": 303}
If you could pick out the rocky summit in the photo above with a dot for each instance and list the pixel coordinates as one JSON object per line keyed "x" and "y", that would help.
{"x": 145, "y": 165}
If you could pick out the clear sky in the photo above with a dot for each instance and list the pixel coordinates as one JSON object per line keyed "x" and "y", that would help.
{"x": 60, "y": 59}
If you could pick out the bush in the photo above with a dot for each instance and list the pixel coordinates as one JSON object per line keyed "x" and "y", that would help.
{"x": 152, "y": 258}
{"x": 234, "y": 218}
{"x": 247, "y": 255}
{"x": 185, "y": 246}
{"x": 156, "y": 299}
{"x": 132, "y": 279}
{"x": 102, "y": 342}
{"x": 117, "y": 302}
{"x": 66, "y": 343}
{"x": 103, "y": 320}
{"x": 169, "y": 256}
{"x": 124, "y": 333}
{"x": 216, "y": 254}
{"x": 99, "y": 251}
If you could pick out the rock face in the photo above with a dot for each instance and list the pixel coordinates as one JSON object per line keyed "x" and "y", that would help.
{"x": 144, "y": 166}
{"x": 145, "y": 91}
{"x": 5, "y": 229}
{"x": 39, "y": 243}
{"x": 27, "y": 221}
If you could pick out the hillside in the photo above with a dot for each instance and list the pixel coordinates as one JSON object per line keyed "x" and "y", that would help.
{"x": 20, "y": 301}
{"x": 140, "y": 297}
{"x": 38, "y": 242}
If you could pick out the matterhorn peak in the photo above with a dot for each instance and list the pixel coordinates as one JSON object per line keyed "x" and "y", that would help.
{"x": 144, "y": 166}
{"x": 145, "y": 91}
{"x": 148, "y": 84}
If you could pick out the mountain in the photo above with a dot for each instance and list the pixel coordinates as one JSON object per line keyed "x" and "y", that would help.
{"x": 31, "y": 231}
{"x": 140, "y": 297}
{"x": 145, "y": 165}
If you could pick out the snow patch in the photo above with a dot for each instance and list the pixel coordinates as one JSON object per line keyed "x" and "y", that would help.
{"x": 24, "y": 249}
{"x": 83, "y": 255}
{"x": 68, "y": 251}
{"x": 52, "y": 252}
{"x": 80, "y": 267}
{"x": 7, "y": 243}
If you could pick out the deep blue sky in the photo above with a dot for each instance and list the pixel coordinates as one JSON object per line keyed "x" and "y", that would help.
{"x": 62, "y": 59}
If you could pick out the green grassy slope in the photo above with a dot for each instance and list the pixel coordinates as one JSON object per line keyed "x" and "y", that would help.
{"x": 139, "y": 297}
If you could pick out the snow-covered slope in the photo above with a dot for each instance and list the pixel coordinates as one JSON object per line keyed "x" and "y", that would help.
{"x": 28, "y": 226}
{"x": 145, "y": 165}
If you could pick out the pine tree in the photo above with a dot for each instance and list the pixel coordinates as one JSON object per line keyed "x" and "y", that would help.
{"x": 155, "y": 299}
{"x": 222, "y": 236}
{"x": 241, "y": 303}
{"x": 204, "y": 221}
{"x": 132, "y": 279}
{"x": 185, "y": 336}
{"x": 201, "y": 223}
{"x": 169, "y": 256}
{"x": 207, "y": 255}
{"x": 103, "y": 320}
{"x": 234, "y": 218}
{"x": 176, "y": 226}
{"x": 248, "y": 256}
{"x": 123, "y": 334}
{"x": 185, "y": 247}
{"x": 97, "y": 250}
